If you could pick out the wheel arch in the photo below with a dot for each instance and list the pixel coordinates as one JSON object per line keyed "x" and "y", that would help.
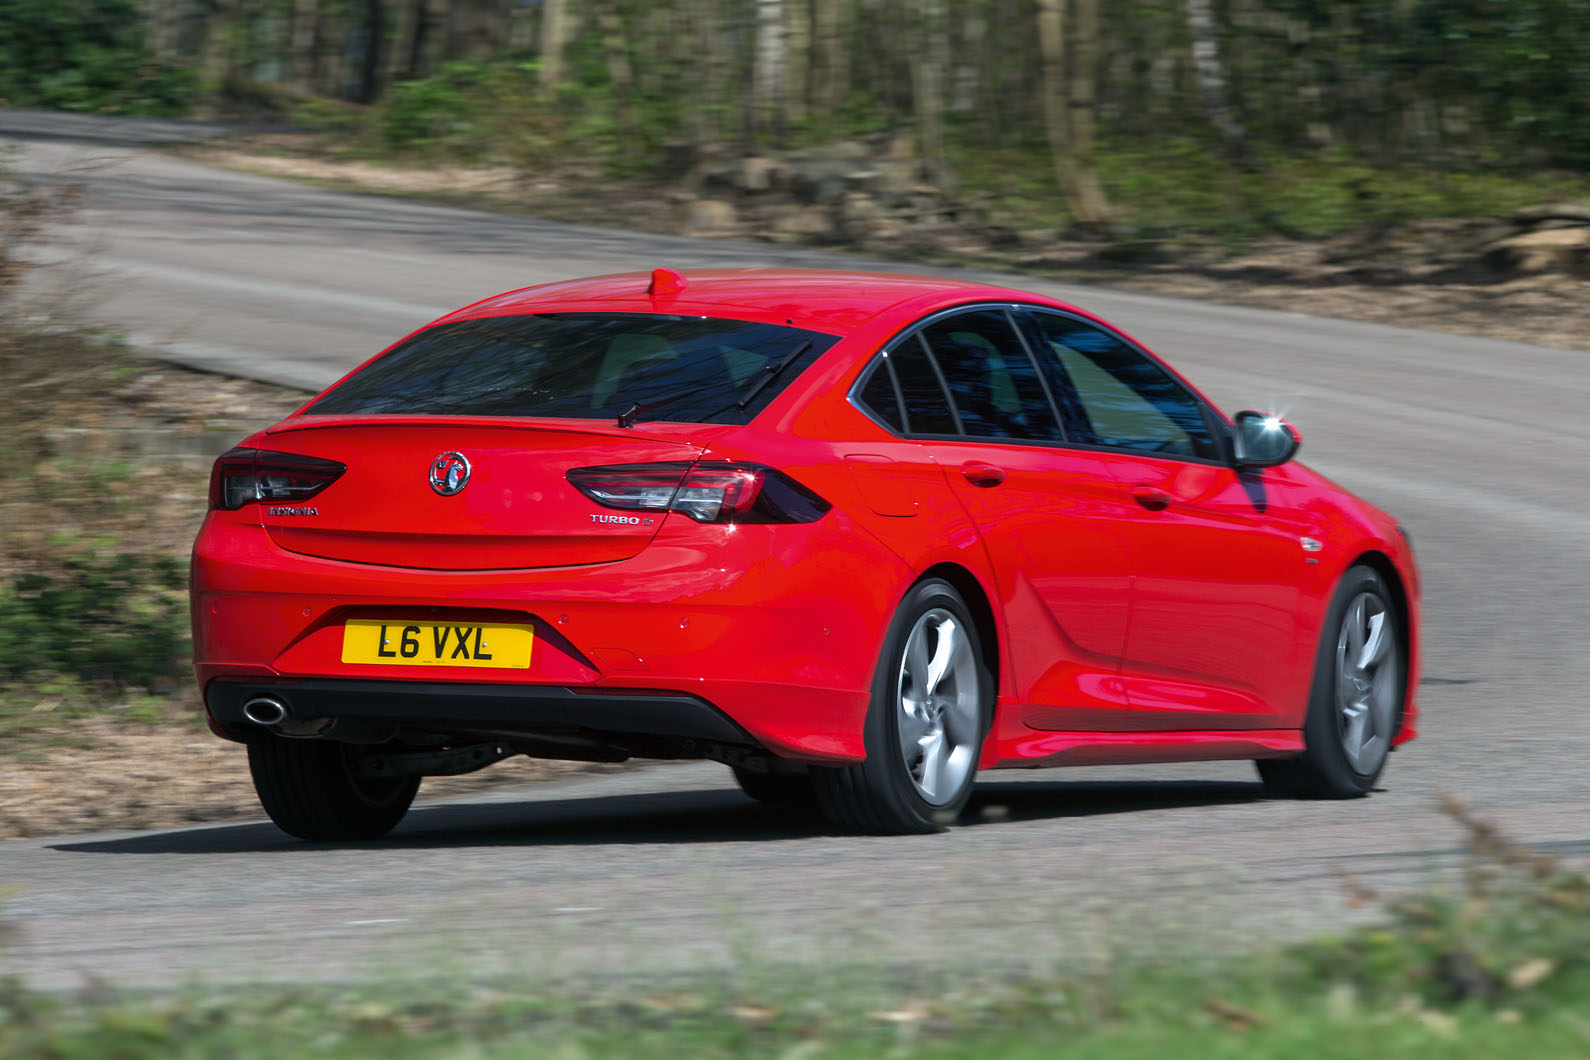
{"x": 977, "y": 602}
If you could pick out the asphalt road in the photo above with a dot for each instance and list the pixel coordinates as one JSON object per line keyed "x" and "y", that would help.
{"x": 1477, "y": 445}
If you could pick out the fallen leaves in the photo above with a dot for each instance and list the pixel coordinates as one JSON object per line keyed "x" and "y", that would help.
{"x": 1234, "y": 1017}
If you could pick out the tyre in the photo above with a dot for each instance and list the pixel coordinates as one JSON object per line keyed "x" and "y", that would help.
{"x": 925, "y": 724}
{"x": 1355, "y": 703}
{"x": 309, "y": 789}
{"x": 775, "y": 787}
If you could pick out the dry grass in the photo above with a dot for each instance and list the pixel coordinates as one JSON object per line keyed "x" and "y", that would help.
{"x": 104, "y": 773}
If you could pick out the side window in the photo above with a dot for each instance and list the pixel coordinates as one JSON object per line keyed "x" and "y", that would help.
{"x": 879, "y": 397}
{"x": 990, "y": 376}
{"x": 1113, "y": 395}
{"x": 927, "y": 410}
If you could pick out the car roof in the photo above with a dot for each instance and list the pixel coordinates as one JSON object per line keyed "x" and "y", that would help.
{"x": 820, "y": 300}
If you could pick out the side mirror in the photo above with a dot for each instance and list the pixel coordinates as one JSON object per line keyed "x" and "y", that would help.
{"x": 1264, "y": 440}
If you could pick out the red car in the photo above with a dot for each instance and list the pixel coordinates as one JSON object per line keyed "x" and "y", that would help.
{"x": 855, "y": 536}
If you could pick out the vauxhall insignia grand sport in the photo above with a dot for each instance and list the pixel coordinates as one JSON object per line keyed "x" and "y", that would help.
{"x": 854, "y": 536}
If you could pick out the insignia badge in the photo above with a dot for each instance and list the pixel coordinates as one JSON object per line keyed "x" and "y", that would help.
{"x": 449, "y": 473}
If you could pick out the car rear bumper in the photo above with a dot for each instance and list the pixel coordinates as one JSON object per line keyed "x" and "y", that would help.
{"x": 613, "y": 716}
{"x": 765, "y": 637}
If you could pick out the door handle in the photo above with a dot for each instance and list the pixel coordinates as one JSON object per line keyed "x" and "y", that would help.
{"x": 1150, "y": 497}
{"x": 981, "y": 474}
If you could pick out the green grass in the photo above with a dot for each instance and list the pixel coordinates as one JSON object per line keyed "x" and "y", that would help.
{"x": 101, "y": 628}
{"x": 1157, "y": 1014}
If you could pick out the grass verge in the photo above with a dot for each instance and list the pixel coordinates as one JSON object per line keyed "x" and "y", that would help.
{"x": 1500, "y": 965}
{"x": 104, "y": 463}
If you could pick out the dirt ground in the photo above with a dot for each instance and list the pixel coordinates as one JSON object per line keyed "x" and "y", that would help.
{"x": 103, "y": 775}
{"x": 1547, "y": 309}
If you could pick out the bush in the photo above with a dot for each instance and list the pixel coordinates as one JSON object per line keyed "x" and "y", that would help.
{"x": 471, "y": 112}
{"x": 86, "y": 55}
{"x": 116, "y": 620}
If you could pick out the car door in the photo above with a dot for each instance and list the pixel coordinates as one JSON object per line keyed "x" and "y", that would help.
{"x": 1216, "y": 560}
{"x": 1048, "y": 515}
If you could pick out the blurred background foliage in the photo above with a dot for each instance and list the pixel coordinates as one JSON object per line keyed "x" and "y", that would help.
{"x": 1052, "y": 93}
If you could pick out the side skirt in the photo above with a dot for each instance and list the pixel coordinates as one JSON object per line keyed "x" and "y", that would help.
{"x": 1037, "y": 749}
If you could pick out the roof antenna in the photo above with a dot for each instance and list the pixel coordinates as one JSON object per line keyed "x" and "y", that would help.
{"x": 666, "y": 282}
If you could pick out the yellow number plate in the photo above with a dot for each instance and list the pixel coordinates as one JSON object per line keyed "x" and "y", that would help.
{"x": 371, "y": 640}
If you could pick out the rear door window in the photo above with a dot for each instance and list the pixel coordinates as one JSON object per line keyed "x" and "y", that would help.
{"x": 991, "y": 378}
{"x": 584, "y": 366}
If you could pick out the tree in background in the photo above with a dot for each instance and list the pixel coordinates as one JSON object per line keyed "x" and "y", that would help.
{"x": 1069, "y": 106}
{"x": 1211, "y": 75}
{"x": 554, "y": 39}
{"x": 1496, "y": 84}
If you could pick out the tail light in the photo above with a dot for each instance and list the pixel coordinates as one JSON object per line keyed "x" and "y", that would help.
{"x": 242, "y": 476}
{"x": 707, "y": 493}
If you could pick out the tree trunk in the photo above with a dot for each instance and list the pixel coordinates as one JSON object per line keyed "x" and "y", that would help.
{"x": 929, "y": 62}
{"x": 430, "y": 39}
{"x": 305, "y": 23}
{"x": 1079, "y": 188}
{"x": 164, "y": 19}
{"x": 1211, "y": 74}
{"x": 402, "y": 61}
{"x": 215, "y": 57}
{"x": 798, "y": 48}
{"x": 554, "y": 38}
{"x": 370, "y": 57}
{"x": 479, "y": 29}
{"x": 619, "y": 72}
{"x": 704, "y": 113}
{"x": 833, "y": 84}
{"x": 768, "y": 70}
{"x": 1083, "y": 110}
{"x": 964, "y": 92}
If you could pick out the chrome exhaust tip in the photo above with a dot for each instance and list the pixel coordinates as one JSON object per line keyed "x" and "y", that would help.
{"x": 265, "y": 711}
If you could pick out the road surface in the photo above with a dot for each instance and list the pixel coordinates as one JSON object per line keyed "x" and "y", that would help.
{"x": 1477, "y": 445}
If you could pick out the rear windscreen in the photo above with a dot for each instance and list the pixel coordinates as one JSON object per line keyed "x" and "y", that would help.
{"x": 584, "y": 366}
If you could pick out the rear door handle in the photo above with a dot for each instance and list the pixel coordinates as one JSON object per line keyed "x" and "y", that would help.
{"x": 981, "y": 474}
{"x": 1150, "y": 497}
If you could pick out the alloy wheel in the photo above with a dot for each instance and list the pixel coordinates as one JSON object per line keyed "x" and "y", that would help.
{"x": 937, "y": 693}
{"x": 1368, "y": 682}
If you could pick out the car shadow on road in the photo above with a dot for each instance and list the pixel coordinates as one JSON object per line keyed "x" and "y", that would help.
{"x": 1030, "y": 800}
{"x": 703, "y": 816}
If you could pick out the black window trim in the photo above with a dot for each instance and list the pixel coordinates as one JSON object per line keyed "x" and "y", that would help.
{"x": 1218, "y": 429}
{"x": 880, "y": 363}
{"x": 944, "y": 386}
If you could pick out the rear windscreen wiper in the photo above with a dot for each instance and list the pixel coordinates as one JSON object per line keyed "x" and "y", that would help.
{"x": 628, "y": 416}
{"x": 772, "y": 374}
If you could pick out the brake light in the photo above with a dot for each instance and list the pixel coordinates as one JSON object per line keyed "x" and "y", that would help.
{"x": 242, "y": 476}
{"x": 707, "y": 493}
